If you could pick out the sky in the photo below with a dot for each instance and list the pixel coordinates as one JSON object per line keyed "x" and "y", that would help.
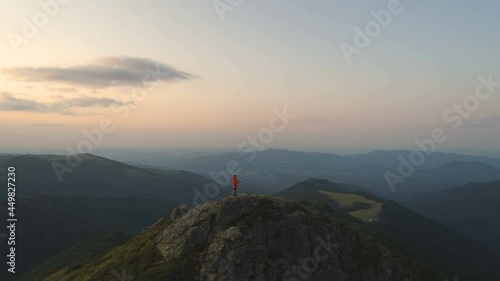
{"x": 190, "y": 74}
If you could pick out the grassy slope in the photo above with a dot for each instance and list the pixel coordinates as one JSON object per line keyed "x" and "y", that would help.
{"x": 77, "y": 255}
{"x": 138, "y": 255}
{"x": 50, "y": 224}
{"x": 347, "y": 200}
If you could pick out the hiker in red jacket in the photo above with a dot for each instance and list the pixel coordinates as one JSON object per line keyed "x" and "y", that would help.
{"x": 235, "y": 184}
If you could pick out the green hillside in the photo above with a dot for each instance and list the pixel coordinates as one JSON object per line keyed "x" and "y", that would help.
{"x": 50, "y": 224}
{"x": 77, "y": 255}
{"x": 473, "y": 209}
{"x": 139, "y": 254}
{"x": 434, "y": 244}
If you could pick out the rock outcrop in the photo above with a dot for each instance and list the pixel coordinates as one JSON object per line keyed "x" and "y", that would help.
{"x": 247, "y": 238}
{"x": 264, "y": 238}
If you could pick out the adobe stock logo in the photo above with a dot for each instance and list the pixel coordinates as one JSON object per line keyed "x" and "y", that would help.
{"x": 49, "y": 9}
{"x": 322, "y": 252}
{"x": 455, "y": 117}
{"x": 224, "y": 6}
{"x": 363, "y": 37}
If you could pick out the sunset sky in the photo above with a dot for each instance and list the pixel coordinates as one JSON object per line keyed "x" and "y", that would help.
{"x": 222, "y": 75}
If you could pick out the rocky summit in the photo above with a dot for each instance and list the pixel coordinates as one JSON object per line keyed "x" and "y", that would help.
{"x": 264, "y": 238}
{"x": 248, "y": 237}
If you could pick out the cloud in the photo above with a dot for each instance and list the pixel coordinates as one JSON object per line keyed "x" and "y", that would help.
{"x": 91, "y": 101}
{"x": 102, "y": 73}
{"x": 10, "y": 103}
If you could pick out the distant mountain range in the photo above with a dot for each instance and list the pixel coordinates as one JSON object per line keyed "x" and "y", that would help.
{"x": 264, "y": 172}
{"x": 156, "y": 159}
{"x": 272, "y": 170}
{"x": 459, "y": 172}
{"x": 389, "y": 158}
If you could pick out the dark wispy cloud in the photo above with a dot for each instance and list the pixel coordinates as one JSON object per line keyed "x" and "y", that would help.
{"x": 10, "y": 103}
{"x": 103, "y": 73}
{"x": 92, "y": 102}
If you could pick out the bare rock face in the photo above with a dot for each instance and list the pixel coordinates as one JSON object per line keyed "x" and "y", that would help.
{"x": 264, "y": 238}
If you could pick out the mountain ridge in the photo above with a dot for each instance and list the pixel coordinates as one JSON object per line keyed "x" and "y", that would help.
{"x": 97, "y": 176}
{"x": 250, "y": 237}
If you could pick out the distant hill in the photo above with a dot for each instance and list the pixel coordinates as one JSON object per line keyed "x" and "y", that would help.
{"x": 389, "y": 158}
{"x": 100, "y": 177}
{"x": 50, "y": 224}
{"x": 434, "y": 244}
{"x": 473, "y": 209}
{"x": 457, "y": 172}
{"x": 157, "y": 159}
{"x": 427, "y": 181}
{"x": 270, "y": 158}
{"x": 251, "y": 238}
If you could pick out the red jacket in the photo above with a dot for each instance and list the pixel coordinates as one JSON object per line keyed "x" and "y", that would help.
{"x": 235, "y": 182}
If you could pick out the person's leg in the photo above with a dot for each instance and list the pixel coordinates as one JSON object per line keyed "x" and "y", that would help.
{"x": 234, "y": 191}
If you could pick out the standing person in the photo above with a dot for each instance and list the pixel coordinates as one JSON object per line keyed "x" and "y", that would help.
{"x": 236, "y": 181}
